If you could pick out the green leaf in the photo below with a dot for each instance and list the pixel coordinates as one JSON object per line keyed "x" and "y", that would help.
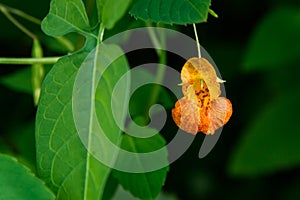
{"x": 66, "y": 16}
{"x": 63, "y": 160}
{"x": 271, "y": 142}
{"x": 110, "y": 12}
{"x": 171, "y": 11}
{"x": 59, "y": 150}
{"x": 17, "y": 182}
{"x": 143, "y": 185}
{"x": 275, "y": 41}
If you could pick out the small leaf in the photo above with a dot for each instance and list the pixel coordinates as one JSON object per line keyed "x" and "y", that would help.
{"x": 110, "y": 12}
{"x": 171, "y": 11}
{"x": 143, "y": 185}
{"x": 271, "y": 142}
{"x": 17, "y": 182}
{"x": 66, "y": 16}
{"x": 275, "y": 41}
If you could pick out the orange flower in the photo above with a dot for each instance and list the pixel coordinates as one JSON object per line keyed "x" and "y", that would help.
{"x": 201, "y": 109}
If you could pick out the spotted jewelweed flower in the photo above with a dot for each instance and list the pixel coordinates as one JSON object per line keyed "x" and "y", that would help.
{"x": 201, "y": 109}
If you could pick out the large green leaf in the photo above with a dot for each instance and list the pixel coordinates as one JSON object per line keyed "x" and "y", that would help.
{"x": 59, "y": 150}
{"x": 109, "y": 12}
{"x": 63, "y": 159}
{"x": 145, "y": 185}
{"x": 66, "y": 16}
{"x": 271, "y": 142}
{"x": 275, "y": 42}
{"x": 171, "y": 11}
{"x": 17, "y": 182}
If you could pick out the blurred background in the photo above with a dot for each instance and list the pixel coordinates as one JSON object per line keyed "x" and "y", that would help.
{"x": 256, "y": 46}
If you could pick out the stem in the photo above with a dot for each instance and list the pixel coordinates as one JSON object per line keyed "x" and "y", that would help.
{"x": 92, "y": 107}
{"x": 197, "y": 41}
{"x": 21, "y": 14}
{"x": 159, "y": 45}
{"x": 88, "y": 34}
{"x": 5, "y": 11}
{"x": 162, "y": 59}
{"x": 101, "y": 33}
{"x": 154, "y": 40}
{"x": 66, "y": 43}
{"x": 29, "y": 61}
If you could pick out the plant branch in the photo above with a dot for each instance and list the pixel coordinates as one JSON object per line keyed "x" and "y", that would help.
{"x": 29, "y": 61}
{"x": 101, "y": 33}
{"x": 21, "y": 14}
{"x": 154, "y": 40}
{"x": 5, "y": 11}
{"x": 159, "y": 45}
{"x": 66, "y": 43}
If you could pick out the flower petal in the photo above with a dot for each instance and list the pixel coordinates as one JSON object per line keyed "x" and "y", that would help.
{"x": 199, "y": 69}
{"x": 220, "y": 112}
{"x": 186, "y": 115}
